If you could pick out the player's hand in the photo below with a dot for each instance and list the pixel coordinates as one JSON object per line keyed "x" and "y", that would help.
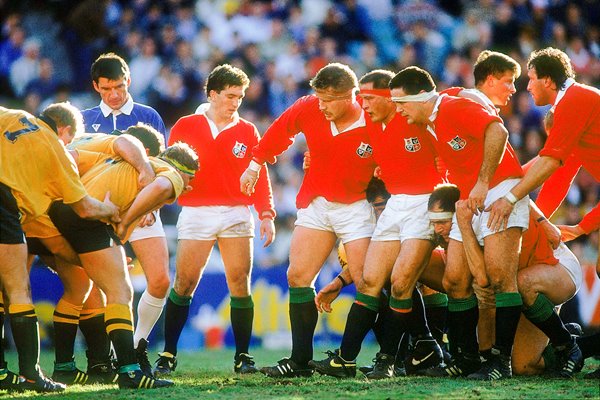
{"x": 552, "y": 233}
{"x": 121, "y": 230}
{"x": 129, "y": 262}
{"x": 476, "y": 200}
{"x": 327, "y": 295}
{"x": 113, "y": 210}
{"x": 499, "y": 212}
{"x": 306, "y": 161}
{"x": 267, "y": 231}
{"x": 146, "y": 177}
{"x": 248, "y": 181}
{"x": 570, "y": 232}
{"x": 464, "y": 215}
{"x": 147, "y": 220}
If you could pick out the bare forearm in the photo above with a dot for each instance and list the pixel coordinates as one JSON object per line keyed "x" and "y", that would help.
{"x": 132, "y": 151}
{"x": 90, "y": 208}
{"x": 149, "y": 199}
{"x": 495, "y": 140}
{"x": 537, "y": 174}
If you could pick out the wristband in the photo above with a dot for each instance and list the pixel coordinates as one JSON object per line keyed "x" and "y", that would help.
{"x": 344, "y": 283}
{"x": 540, "y": 219}
{"x": 254, "y": 166}
{"x": 511, "y": 198}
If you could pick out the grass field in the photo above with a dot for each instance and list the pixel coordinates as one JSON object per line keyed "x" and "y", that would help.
{"x": 209, "y": 375}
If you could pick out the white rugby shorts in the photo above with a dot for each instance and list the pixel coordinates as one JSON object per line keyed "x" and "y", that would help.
{"x": 571, "y": 264}
{"x": 519, "y": 217}
{"x": 146, "y": 232}
{"x": 212, "y": 222}
{"x": 405, "y": 217}
{"x": 348, "y": 221}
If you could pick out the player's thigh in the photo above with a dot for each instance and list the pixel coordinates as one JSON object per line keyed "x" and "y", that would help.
{"x": 59, "y": 246}
{"x": 13, "y": 272}
{"x": 433, "y": 273}
{"x": 96, "y": 299}
{"x": 108, "y": 269}
{"x": 309, "y": 250}
{"x": 237, "y": 259}
{"x": 153, "y": 255}
{"x": 413, "y": 258}
{"x": 529, "y": 345}
{"x": 356, "y": 252}
{"x": 457, "y": 276}
{"x": 501, "y": 254}
{"x": 552, "y": 280}
{"x": 379, "y": 262}
{"x": 191, "y": 259}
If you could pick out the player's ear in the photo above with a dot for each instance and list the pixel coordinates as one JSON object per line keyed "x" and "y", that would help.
{"x": 96, "y": 88}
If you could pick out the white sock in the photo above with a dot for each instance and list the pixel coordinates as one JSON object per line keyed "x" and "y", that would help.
{"x": 148, "y": 311}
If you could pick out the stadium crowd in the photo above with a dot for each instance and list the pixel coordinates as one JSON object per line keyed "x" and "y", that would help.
{"x": 277, "y": 52}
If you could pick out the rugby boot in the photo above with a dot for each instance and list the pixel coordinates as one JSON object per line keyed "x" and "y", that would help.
{"x": 334, "y": 365}
{"x": 10, "y": 381}
{"x": 461, "y": 365}
{"x": 101, "y": 372}
{"x": 574, "y": 329}
{"x": 42, "y": 384}
{"x": 593, "y": 375}
{"x": 286, "y": 368}
{"x": 495, "y": 368}
{"x": 426, "y": 353}
{"x": 141, "y": 355}
{"x": 165, "y": 364}
{"x": 569, "y": 360}
{"x": 137, "y": 380}
{"x": 383, "y": 367}
{"x": 244, "y": 364}
{"x": 69, "y": 374}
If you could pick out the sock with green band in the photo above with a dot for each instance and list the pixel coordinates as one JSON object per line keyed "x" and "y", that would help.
{"x": 242, "y": 315}
{"x": 177, "y": 311}
{"x": 543, "y": 315}
{"x": 508, "y": 312}
{"x": 463, "y": 315}
{"x": 303, "y": 321}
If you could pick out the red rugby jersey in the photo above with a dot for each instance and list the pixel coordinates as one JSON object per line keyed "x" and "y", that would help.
{"x": 222, "y": 160}
{"x": 405, "y": 155}
{"x": 535, "y": 248}
{"x": 340, "y": 165}
{"x": 459, "y": 130}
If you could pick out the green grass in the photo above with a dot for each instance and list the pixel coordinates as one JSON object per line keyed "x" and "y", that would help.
{"x": 209, "y": 375}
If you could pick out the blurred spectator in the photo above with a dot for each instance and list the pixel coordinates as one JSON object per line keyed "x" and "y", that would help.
{"x": 144, "y": 68}
{"x": 472, "y": 31}
{"x": 26, "y": 68}
{"x": 45, "y": 84}
{"x": 504, "y": 28}
{"x": 11, "y": 49}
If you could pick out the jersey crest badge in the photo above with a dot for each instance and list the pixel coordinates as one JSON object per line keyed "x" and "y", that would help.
{"x": 412, "y": 144}
{"x": 239, "y": 150}
{"x": 96, "y": 127}
{"x": 364, "y": 150}
{"x": 457, "y": 143}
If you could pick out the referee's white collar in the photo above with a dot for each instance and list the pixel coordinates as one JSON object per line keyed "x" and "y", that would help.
{"x": 126, "y": 109}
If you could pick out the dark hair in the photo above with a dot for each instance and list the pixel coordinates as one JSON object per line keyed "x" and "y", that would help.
{"x": 494, "y": 63}
{"x": 152, "y": 139}
{"x": 336, "y": 76}
{"x": 445, "y": 195}
{"x": 551, "y": 63}
{"x": 413, "y": 80}
{"x": 224, "y": 76}
{"x": 376, "y": 188}
{"x": 65, "y": 114}
{"x": 109, "y": 66}
{"x": 183, "y": 154}
{"x": 380, "y": 78}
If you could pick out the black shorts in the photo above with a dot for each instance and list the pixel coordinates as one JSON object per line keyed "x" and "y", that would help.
{"x": 10, "y": 218}
{"x": 35, "y": 246}
{"x": 83, "y": 235}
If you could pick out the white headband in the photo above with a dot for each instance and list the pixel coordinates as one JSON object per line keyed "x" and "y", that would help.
{"x": 415, "y": 97}
{"x": 439, "y": 216}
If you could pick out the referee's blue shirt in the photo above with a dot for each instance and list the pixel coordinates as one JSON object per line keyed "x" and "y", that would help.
{"x": 103, "y": 119}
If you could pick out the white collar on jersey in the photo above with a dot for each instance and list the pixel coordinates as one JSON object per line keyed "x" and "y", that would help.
{"x": 434, "y": 113}
{"x": 360, "y": 122}
{"x": 561, "y": 93}
{"x": 203, "y": 108}
{"x": 126, "y": 109}
{"x": 483, "y": 97}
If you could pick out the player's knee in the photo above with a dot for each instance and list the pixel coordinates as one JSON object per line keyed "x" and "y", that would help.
{"x": 296, "y": 278}
{"x": 400, "y": 288}
{"x": 452, "y": 286}
{"x": 159, "y": 286}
